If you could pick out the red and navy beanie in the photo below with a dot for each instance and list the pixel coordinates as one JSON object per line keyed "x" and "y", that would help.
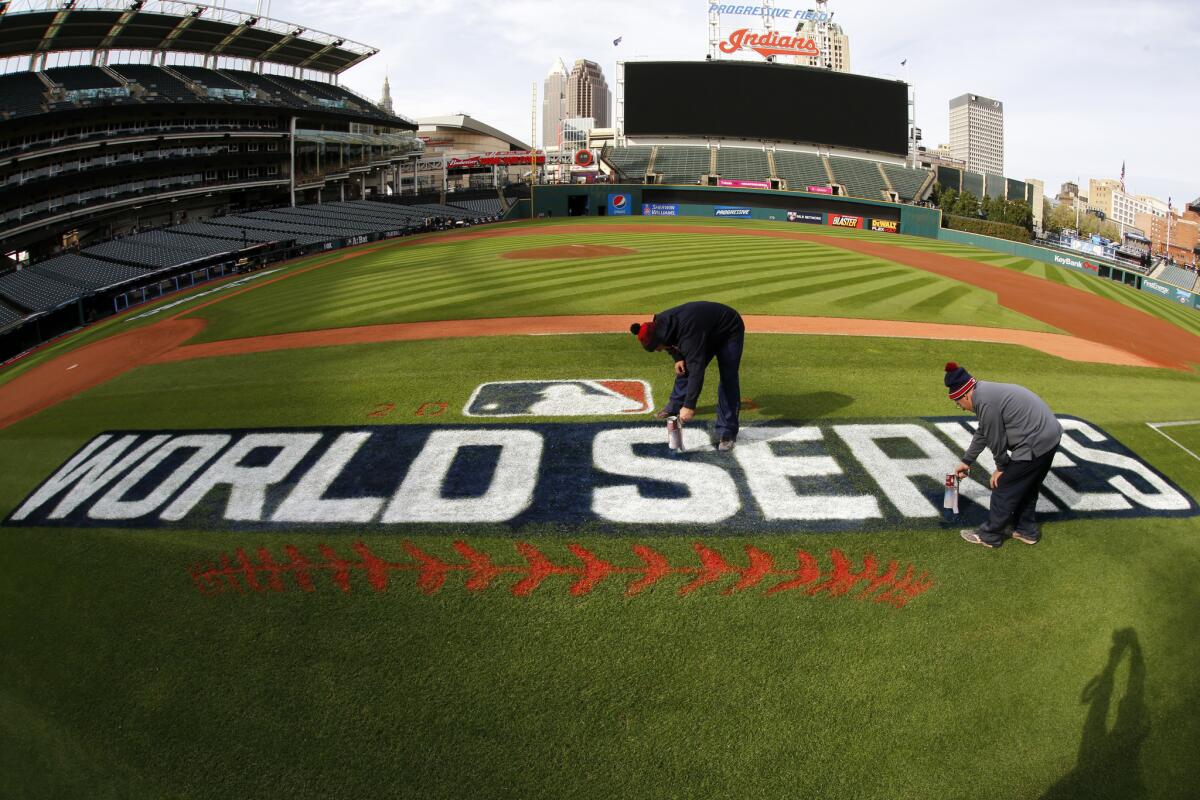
{"x": 958, "y": 380}
{"x": 645, "y": 333}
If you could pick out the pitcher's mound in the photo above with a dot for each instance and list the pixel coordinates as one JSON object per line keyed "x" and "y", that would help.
{"x": 571, "y": 251}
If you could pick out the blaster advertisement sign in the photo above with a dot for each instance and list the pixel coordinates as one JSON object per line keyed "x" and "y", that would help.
{"x": 811, "y": 217}
{"x": 660, "y": 209}
{"x": 845, "y": 221}
{"x": 769, "y": 44}
{"x": 885, "y": 225}
{"x": 619, "y": 205}
{"x": 819, "y": 189}
{"x": 835, "y": 475}
{"x": 740, "y": 184}
{"x": 731, "y": 211}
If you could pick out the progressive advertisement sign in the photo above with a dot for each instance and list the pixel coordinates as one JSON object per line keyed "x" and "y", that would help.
{"x": 740, "y": 184}
{"x": 845, "y": 221}
{"x": 811, "y": 217}
{"x": 731, "y": 211}
{"x": 619, "y": 205}
{"x": 660, "y": 209}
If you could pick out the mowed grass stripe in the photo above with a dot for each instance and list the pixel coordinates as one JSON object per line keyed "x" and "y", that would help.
{"x": 941, "y": 300}
{"x": 889, "y": 292}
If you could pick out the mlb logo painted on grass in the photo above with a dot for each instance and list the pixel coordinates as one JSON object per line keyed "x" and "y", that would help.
{"x": 782, "y": 477}
{"x": 577, "y": 398}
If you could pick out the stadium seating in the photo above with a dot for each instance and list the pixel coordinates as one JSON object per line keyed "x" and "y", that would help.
{"x": 208, "y": 78}
{"x": 633, "y": 162}
{"x": 861, "y": 178}
{"x": 1177, "y": 276}
{"x": 8, "y": 316}
{"x": 682, "y": 164}
{"x": 130, "y": 251}
{"x": 75, "y": 78}
{"x": 183, "y": 244}
{"x": 743, "y": 163}
{"x": 36, "y": 292}
{"x": 156, "y": 80}
{"x": 487, "y": 206}
{"x": 21, "y": 94}
{"x": 222, "y": 233}
{"x": 907, "y": 182}
{"x": 86, "y": 273}
{"x": 800, "y": 170}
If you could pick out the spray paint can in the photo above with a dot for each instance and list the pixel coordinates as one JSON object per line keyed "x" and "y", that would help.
{"x": 674, "y": 434}
{"x": 950, "y": 498}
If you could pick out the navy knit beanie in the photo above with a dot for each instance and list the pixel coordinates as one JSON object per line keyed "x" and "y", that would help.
{"x": 958, "y": 380}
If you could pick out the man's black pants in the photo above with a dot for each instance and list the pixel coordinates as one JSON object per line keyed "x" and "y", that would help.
{"x": 1015, "y": 499}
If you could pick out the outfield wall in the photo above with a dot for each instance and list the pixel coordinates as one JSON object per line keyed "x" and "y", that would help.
{"x": 730, "y": 203}
{"x": 1079, "y": 263}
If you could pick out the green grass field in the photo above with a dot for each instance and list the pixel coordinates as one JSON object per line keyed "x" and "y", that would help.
{"x": 1063, "y": 670}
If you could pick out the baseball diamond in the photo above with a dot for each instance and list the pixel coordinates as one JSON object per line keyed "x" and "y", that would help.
{"x": 329, "y": 466}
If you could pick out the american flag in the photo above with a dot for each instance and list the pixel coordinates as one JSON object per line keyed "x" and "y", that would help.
{"x": 1122, "y": 176}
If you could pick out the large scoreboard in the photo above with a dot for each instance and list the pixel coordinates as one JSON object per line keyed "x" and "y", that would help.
{"x": 775, "y": 102}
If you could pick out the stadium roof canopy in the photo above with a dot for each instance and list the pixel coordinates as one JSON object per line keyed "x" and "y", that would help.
{"x": 464, "y": 122}
{"x": 33, "y": 27}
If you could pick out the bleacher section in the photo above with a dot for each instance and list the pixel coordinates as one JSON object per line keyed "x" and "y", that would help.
{"x": 24, "y": 93}
{"x": 36, "y": 292}
{"x": 8, "y": 316}
{"x": 907, "y": 182}
{"x": 87, "y": 273}
{"x": 131, "y": 250}
{"x": 21, "y": 94}
{"x": 861, "y": 178}
{"x": 156, "y": 80}
{"x": 1177, "y": 276}
{"x": 75, "y": 78}
{"x": 800, "y": 170}
{"x": 743, "y": 163}
{"x": 488, "y": 206}
{"x": 682, "y": 164}
{"x": 631, "y": 161}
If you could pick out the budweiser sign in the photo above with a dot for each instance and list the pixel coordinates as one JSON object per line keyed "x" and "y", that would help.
{"x": 769, "y": 44}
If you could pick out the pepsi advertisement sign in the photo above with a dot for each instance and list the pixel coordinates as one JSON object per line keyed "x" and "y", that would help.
{"x": 660, "y": 209}
{"x": 619, "y": 205}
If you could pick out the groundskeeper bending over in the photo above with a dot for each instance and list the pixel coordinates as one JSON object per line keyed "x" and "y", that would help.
{"x": 1023, "y": 435}
{"x": 693, "y": 334}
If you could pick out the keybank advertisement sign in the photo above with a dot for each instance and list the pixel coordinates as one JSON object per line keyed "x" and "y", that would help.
{"x": 783, "y": 477}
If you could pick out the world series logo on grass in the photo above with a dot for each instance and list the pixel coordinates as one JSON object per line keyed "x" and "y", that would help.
{"x": 781, "y": 477}
{"x": 577, "y": 398}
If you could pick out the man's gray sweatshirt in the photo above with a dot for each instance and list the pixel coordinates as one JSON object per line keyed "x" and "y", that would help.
{"x": 1014, "y": 423}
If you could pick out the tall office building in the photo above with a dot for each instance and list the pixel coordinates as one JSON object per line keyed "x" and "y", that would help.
{"x": 554, "y": 103}
{"x": 1109, "y": 197}
{"x": 588, "y": 94}
{"x": 829, "y": 37}
{"x": 385, "y": 102}
{"x": 977, "y": 133}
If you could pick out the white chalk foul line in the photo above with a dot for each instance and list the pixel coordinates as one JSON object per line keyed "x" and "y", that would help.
{"x": 1158, "y": 426}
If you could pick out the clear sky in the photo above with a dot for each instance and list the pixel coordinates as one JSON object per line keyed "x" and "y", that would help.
{"x": 1085, "y": 85}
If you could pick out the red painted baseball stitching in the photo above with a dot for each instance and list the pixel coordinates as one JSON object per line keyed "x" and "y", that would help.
{"x": 240, "y": 573}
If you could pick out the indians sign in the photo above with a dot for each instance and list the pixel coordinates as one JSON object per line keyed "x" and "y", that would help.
{"x": 783, "y": 477}
{"x": 769, "y": 44}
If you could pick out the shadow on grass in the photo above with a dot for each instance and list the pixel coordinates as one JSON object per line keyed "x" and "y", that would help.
{"x": 1110, "y": 758}
{"x": 813, "y": 405}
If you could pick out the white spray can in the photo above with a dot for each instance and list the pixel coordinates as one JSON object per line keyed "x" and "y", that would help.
{"x": 950, "y": 499}
{"x": 674, "y": 434}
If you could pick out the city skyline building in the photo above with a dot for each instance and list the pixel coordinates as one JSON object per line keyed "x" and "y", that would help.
{"x": 977, "y": 133}
{"x": 588, "y": 94}
{"x": 385, "y": 102}
{"x": 830, "y": 39}
{"x": 554, "y": 103}
{"x": 1108, "y": 196}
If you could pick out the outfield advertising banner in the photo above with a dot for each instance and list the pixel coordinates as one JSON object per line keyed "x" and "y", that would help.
{"x": 660, "y": 209}
{"x": 619, "y": 205}
{"x": 811, "y": 217}
{"x": 845, "y": 221}
{"x": 740, "y": 184}
{"x": 851, "y": 475}
{"x": 885, "y": 225}
{"x": 731, "y": 211}
{"x": 1181, "y": 296}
